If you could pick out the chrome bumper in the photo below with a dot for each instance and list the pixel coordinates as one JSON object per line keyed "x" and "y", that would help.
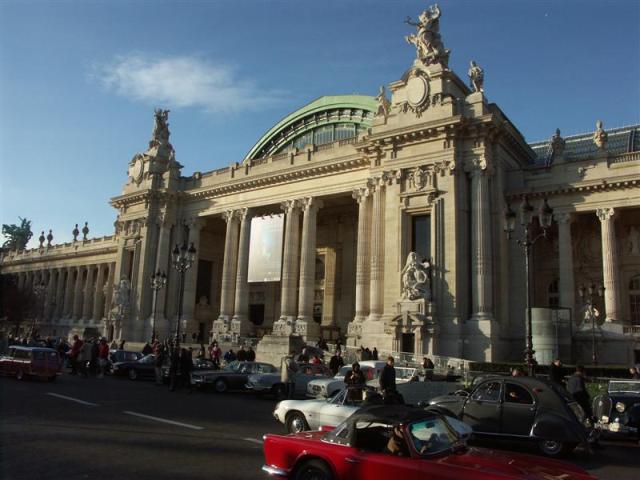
{"x": 275, "y": 471}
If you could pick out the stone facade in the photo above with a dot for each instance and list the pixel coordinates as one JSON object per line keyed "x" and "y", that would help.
{"x": 362, "y": 183}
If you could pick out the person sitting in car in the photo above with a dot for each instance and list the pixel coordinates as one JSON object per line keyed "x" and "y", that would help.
{"x": 397, "y": 445}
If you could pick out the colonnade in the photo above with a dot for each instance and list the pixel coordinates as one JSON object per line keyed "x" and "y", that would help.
{"x": 81, "y": 294}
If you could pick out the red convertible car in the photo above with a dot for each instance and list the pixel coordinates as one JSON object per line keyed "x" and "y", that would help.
{"x": 387, "y": 442}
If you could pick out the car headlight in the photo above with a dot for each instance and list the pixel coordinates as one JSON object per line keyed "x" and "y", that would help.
{"x": 620, "y": 407}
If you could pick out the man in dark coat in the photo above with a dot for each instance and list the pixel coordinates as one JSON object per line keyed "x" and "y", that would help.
{"x": 251, "y": 354}
{"x": 577, "y": 387}
{"x": 336, "y": 362}
{"x": 242, "y": 354}
{"x": 355, "y": 381}
{"x": 556, "y": 372}
{"x": 186, "y": 367}
{"x": 388, "y": 379}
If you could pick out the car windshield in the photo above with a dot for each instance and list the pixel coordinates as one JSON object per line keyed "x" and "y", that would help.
{"x": 615, "y": 387}
{"x": 432, "y": 436}
{"x": 233, "y": 366}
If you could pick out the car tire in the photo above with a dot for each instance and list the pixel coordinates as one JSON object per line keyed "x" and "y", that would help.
{"x": 296, "y": 422}
{"x": 133, "y": 375}
{"x": 19, "y": 375}
{"x": 554, "y": 448}
{"x": 220, "y": 385}
{"x": 313, "y": 470}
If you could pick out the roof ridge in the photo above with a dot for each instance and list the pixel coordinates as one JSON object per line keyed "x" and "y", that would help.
{"x": 574, "y": 136}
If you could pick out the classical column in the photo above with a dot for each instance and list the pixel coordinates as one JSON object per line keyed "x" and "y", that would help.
{"x": 87, "y": 294}
{"x": 240, "y": 322}
{"x": 50, "y": 298}
{"x": 363, "y": 257}
{"x": 566, "y": 284}
{"x": 67, "y": 308}
{"x": 77, "y": 294}
{"x": 481, "y": 262}
{"x": 162, "y": 265}
{"x": 228, "y": 283}
{"x": 610, "y": 265}
{"x": 98, "y": 294}
{"x": 289, "y": 279}
{"x": 21, "y": 278}
{"x": 310, "y": 207}
{"x": 191, "y": 278}
{"x": 376, "y": 291}
{"x": 58, "y": 312}
{"x": 108, "y": 290}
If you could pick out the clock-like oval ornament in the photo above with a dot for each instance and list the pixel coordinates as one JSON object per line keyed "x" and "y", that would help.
{"x": 417, "y": 91}
{"x": 136, "y": 170}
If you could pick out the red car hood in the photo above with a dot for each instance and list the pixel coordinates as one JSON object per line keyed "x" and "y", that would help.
{"x": 515, "y": 465}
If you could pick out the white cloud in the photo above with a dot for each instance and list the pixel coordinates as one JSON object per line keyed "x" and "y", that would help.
{"x": 182, "y": 81}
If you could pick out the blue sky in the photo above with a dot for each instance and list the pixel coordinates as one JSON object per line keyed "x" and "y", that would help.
{"x": 79, "y": 80}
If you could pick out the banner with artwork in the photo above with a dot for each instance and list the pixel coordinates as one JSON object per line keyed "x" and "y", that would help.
{"x": 265, "y": 250}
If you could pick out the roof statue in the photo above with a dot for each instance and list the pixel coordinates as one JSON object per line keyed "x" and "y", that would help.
{"x": 429, "y": 47}
{"x": 556, "y": 148}
{"x": 600, "y": 137}
{"x": 384, "y": 104}
{"x": 476, "y": 77}
{"x": 160, "y": 134}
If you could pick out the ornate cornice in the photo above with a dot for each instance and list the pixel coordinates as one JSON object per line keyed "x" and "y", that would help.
{"x": 600, "y": 186}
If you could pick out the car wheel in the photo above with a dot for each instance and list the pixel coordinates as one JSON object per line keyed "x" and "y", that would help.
{"x": 554, "y": 448}
{"x": 220, "y": 385}
{"x": 133, "y": 374}
{"x": 19, "y": 375}
{"x": 296, "y": 423}
{"x": 313, "y": 470}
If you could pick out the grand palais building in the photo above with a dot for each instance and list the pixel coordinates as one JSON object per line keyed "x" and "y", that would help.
{"x": 377, "y": 219}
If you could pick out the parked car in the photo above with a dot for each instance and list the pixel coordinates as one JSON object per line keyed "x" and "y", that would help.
{"x": 327, "y": 387}
{"x": 270, "y": 382}
{"x": 431, "y": 447}
{"x": 234, "y": 376}
{"x": 520, "y": 407}
{"x": 22, "y": 361}
{"x": 301, "y": 415}
{"x": 618, "y": 411}
{"x": 143, "y": 368}
{"x": 198, "y": 364}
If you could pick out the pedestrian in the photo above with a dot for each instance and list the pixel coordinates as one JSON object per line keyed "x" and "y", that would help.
{"x": 161, "y": 356}
{"x": 147, "y": 350}
{"x": 251, "y": 354}
{"x": 95, "y": 353}
{"x": 215, "y": 352}
{"x": 84, "y": 357}
{"x": 517, "y": 372}
{"x": 316, "y": 360}
{"x": 388, "y": 379}
{"x": 63, "y": 348}
{"x": 174, "y": 370}
{"x": 633, "y": 373}
{"x": 121, "y": 345}
{"x": 186, "y": 367}
{"x": 428, "y": 367}
{"x": 229, "y": 357}
{"x": 336, "y": 362}
{"x": 288, "y": 370}
{"x": 556, "y": 372}
{"x": 577, "y": 387}
{"x": 374, "y": 354}
{"x": 355, "y": 381}
{"x": 73, "y": 354}
{"x": 4, "y": 344}
{"x": 114, "y": 345}
{"x": 242, "y": 354}
{"x": 201, "y": 352}
{"x": 103, "y": 356}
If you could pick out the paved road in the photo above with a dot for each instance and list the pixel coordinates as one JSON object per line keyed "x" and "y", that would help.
{"x": 122, "y": 430}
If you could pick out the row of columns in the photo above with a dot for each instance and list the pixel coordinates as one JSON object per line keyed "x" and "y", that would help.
{"x": 77, "y": 293}
{"x": 610, "y": 264}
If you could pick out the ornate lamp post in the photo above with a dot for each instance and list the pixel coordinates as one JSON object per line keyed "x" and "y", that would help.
{"x": 545, "y": 217}
{"x": 589, "y": 294}
{"x": 158, "y": 282}
{"x": 39, "y": 291}
{"x": 182, "y": 259}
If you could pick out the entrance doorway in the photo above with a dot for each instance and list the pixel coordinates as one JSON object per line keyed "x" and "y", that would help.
{"x": 256, "y": 314}
{"x": 408, "y": 343}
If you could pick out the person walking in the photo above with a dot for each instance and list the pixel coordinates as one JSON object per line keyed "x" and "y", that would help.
{"x": 388, "y": 380}
{"x": 336, "y": 362}
{"x": 186, "y": 367}
{"x": 251, "y": 354}
{"x": 215, "y": 352}
{"x": 161, "y": 356}
{"x": 84, "y": 357}
{"x": 556, "y": 372}
{"x": 288, "y": 370}
{"x": 355, "y": 381}
{"x": 94, "y": 368}
{"x": 577, "y": 387}
{"x": 73, "y": 354}
{"x": 103, "y": 357}
{"x": 428, "y": 367}
{"x": 374, "y": 354}
{"x": 242, "y": 354}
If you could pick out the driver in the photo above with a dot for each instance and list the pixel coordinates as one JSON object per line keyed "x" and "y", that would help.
{"x": 397, "y": 445}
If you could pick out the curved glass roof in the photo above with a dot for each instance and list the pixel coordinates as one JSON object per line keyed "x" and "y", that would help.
{"x": 324, "y": 120}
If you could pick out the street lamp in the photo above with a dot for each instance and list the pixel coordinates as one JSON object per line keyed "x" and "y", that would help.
{"x": 39, "y": 291}
{"x": 545, "y": 217}
{"x": 158, "y": 282}
{"x": 182, "y": 259}
{"x": 588, "y": 294}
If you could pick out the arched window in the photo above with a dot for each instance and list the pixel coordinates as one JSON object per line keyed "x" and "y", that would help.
{"x": 553, "y": 294}
{"x": 634, "y": 300}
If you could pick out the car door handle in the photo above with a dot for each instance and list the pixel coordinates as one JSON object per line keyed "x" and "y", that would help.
{"x": 351, "y": 460}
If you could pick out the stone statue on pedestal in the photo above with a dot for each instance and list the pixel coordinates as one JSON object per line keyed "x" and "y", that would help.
{"x": 476, "y": 77}
{"x": 600, "y": 137}
{"x": 429, "y": 47}
{"x": 415, "y": 279}
{"x": 160, "y": 134}
{"x": 384, "y": 104}
{"x": 556, "y": 148}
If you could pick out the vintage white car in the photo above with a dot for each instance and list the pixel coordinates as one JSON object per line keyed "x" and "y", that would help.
{"x": 301, "y": 415}
{"x": 270, "y": 382}
{"x": 327, "y": 387}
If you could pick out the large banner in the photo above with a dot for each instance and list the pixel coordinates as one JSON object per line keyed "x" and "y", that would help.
{"x": 265, "y": 250}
